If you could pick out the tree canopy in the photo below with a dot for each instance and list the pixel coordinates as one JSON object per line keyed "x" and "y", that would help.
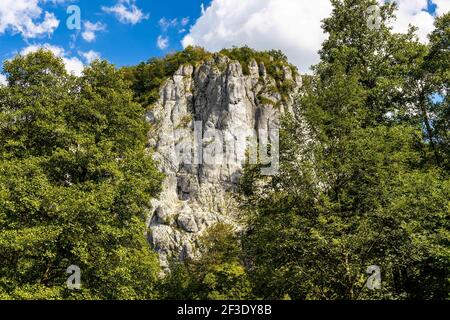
{"x": 364, "y": 182}
{"x": 75, "y": 183}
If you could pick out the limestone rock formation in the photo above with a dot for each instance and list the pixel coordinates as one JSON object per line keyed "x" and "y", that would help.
{"x": 202, "y": 111}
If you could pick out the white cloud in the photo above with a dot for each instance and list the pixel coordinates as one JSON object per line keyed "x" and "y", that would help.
{"x": 165, "y": 23}
{"x": 56, "y": 50}
{"x": 27, "y": 18}
{"x": 90, "y": 29}
{"x": 414, "y": 12}
{"x": 162, "y": 42}
{"x": 3, "y": 80}
{"x": 126, "y": 11}
{"x": 293, "y": 26}
{"x": 185, "y": 21}
{"x": 88, "y": 36}
{"x": 90, "y": 55}
{"x": 73, "y": 64}
{"x": 443, "y": 6}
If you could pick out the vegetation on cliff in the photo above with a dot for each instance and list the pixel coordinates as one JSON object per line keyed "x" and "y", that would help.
{"x": 371, "y": 188}
{"x": 148, "y": 77}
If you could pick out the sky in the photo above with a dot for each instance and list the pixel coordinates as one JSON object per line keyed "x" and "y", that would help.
{"x": 127, "y": 32}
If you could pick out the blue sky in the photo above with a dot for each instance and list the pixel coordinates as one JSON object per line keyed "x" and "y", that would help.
{"x": 121, "y": 42}
{"x": 126, "y": 32}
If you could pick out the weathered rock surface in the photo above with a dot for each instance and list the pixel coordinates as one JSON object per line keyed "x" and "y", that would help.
{"x": 203, "y": 110}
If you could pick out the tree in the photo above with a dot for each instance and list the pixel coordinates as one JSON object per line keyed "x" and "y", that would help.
{"x": 437, "y": 64}
{"x": 147, "y": 78}
{"x": 218, "y": 274}
{"x": 356, "y": 187}
{"x": 75, "y": 183}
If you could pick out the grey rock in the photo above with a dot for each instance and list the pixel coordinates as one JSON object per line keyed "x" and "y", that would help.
{"x": 195, "y": 196}
{"x": 186, "y": 220}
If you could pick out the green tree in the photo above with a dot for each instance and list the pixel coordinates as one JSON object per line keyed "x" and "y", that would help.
{"x": 437, "y": 65}
{"x": 218, "y": 274}
{"x": 356, "y": 187}
{"x": 148, "y": 77}
{"x": 75, "y": 183}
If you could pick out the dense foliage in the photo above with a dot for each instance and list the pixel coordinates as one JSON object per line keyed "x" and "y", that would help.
{"x": 75, "y": 183}
{"x": 219, "y": 272}
{"x": 148, "y": 77}
{"x": 363, "y": 179}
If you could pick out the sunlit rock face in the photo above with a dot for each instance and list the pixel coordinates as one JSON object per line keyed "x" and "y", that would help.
{"x": 209, "y": 119}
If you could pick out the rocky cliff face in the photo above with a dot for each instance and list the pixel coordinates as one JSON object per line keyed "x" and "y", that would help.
{"x": 207, "y": 119}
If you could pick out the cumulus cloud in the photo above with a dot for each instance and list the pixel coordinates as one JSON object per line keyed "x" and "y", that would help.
{"x": 414, "y": 12}
{"x": 90, "y": 29}
{"x": 27, "y": 18}
{"x": 162, "y": 42}
{"x": 90, "y": 55}
{"x": 3, "y": 80}
{"x": 73, "y": 64}
{"x": 126, "y": 12}
{"x": 292, "y": 26}
{"x": 443, "y": 6}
